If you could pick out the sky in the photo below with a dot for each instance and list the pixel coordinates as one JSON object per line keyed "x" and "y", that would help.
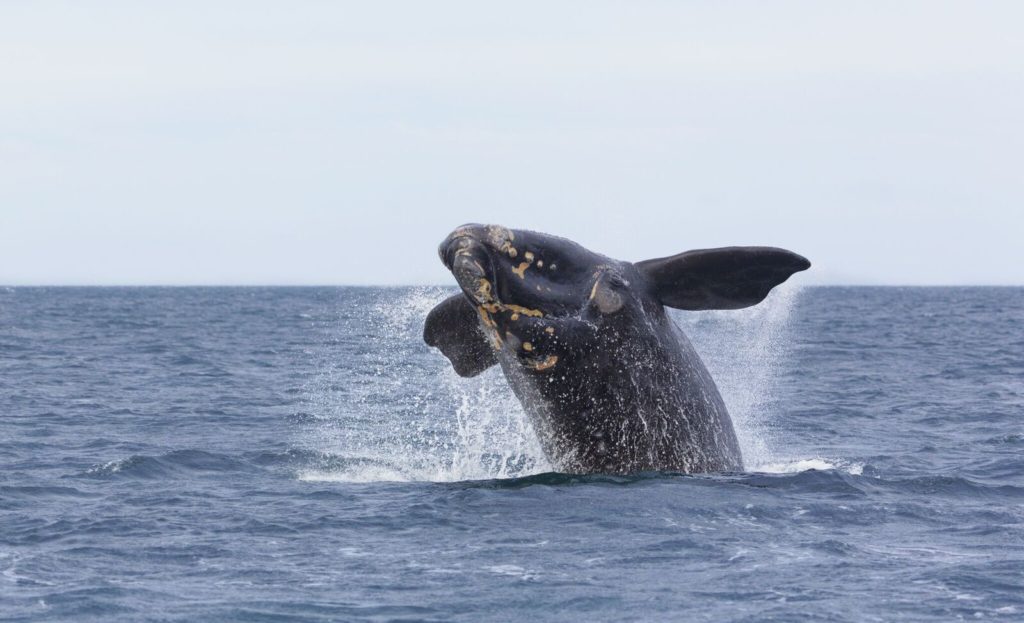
{"x": 325, "y": 142}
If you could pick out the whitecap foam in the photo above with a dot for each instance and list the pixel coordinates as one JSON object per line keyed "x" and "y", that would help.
{"x": 363, "y": 474}
{"x": 513, "y": 571}
{"x": 110, "y": 467}
{"x": 803, "y": 465}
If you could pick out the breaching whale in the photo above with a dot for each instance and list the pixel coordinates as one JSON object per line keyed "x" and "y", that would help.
{"x": 609, "y": 381}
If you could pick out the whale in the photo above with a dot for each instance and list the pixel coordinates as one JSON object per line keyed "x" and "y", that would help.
{"x": 608, "y": 380}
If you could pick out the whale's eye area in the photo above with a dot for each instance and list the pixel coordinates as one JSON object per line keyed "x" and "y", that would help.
{"x": 607, "y": 294}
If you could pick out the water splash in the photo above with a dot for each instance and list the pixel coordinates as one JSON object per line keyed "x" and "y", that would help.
{"x": 408, "y": 416}
{"x": 745, "y": 351}
{"x": 387, "y": 408}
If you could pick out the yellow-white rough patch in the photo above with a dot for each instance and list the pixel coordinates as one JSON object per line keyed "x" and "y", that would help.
{"x": 548, "y": 362}
{"x": 521, "y": 269}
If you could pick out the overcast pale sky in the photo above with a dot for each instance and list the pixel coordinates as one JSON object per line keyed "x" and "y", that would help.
{"x": 337, "y": 143}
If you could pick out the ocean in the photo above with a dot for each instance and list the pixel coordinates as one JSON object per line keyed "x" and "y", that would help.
{"x": 298, "y": 454}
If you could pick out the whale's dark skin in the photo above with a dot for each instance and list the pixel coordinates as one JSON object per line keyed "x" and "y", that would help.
{"x": 609, "y": 381}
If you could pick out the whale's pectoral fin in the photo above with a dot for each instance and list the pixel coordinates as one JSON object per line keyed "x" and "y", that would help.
{"x": 454, "y": 328}
{"x": 725, "y": 278}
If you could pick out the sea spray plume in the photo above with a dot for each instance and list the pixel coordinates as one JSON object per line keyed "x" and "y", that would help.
{"x": 407, "y": 417}
{"x": 609, "y": 381}
{"x": 746, "y": 352}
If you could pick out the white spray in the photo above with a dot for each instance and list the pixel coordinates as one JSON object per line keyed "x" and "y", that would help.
{"x": 412, "y": 418}
{"x": 396, "y": 411}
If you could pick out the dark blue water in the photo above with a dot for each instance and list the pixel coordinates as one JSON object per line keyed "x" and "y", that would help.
{"x": 276, "y": 454}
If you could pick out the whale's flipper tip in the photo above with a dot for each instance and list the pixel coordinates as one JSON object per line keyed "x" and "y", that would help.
{"x": 453, "y": 327}
{"x": 724, "y": 278}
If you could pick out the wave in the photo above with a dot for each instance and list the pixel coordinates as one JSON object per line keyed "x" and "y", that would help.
{"x": 816, "y": 474}
{"x": 167, "y": 465}
{"x": 325, "y": 467}
{"x": 425, "y": 467}
{"x": 803, "y": 465}
{"x": 813, "y": 474}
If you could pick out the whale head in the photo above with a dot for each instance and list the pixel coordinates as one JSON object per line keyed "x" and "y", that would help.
{"x": 529, "y": 289}
{"x": 504, "y": 269}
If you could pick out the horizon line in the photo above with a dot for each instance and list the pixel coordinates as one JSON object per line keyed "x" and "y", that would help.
{"x": 395, "y": 285}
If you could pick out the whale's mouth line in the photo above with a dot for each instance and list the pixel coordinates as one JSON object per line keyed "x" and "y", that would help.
{"x": 478, "y": 264}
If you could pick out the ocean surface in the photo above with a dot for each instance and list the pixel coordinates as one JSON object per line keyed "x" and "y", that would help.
{"x": 298, "y": 454}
